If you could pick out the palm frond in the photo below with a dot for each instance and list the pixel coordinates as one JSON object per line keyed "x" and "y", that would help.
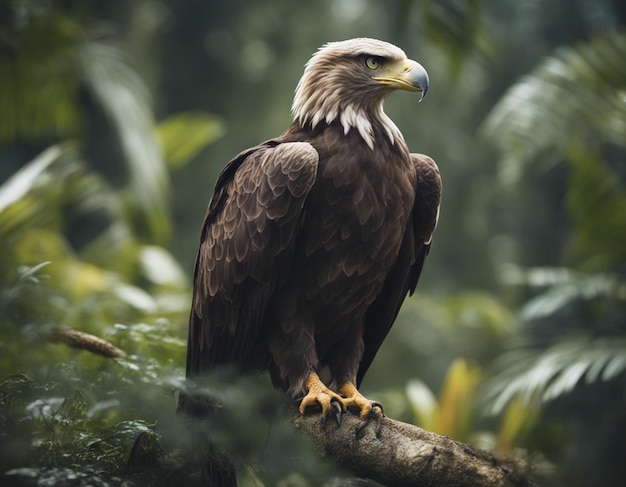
{"x": 124, "y": 98}
{"x": 562, "y": 286}
{"x": 546, "y": 375}
{"x": 578, "y": 93}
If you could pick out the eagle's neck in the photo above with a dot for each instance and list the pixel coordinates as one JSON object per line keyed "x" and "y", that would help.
{"x": 309, "y": 111}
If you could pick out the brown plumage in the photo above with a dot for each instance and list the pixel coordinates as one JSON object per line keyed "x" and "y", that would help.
{"x": 312, "y": 240}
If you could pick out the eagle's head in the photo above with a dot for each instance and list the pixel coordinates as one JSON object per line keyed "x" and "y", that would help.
{"x": 349, "y": 80}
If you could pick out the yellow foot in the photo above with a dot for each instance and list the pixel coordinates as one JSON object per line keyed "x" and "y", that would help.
{"x": 322, "y": 395}
{"x": 368, "y": 409}
{"x": 348, "y": 397}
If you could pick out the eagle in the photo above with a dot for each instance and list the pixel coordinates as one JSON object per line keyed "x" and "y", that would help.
{"x": 312, "y": 240}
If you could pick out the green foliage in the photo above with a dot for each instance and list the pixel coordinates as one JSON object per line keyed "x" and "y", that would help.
{"x": 591, "y": 345}
{"x": 596, "y": 203}
{"x": 574, "y": 96}
{"x": 570, "y": 108}
{"x": 39, "y": 79}
{"x": 456, "y": 27}
{"x": 124, "y": 99}
{"x": 452, "y": 413}
{"x": 70, "y": 416}
{"x": 47, "y": 69}
{"x": 518, "y": 422}
{"x": 83, "y": 225}
{"x": 549, "y": 374}
{"x": 184, "y": 135}
{"x": 56, "y": 191}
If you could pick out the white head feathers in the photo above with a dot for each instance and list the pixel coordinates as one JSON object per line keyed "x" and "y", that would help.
{"x": 334, "y": 86}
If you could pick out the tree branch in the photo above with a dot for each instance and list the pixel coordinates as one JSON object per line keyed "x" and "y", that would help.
{"x": 86, "y": 341}
{"x": 404, "y": 454}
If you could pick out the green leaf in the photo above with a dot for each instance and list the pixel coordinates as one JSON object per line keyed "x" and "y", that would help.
{"x": 24, "y": 180}
{"x": 576, "y": 94}
{"x": 547, "y": 375}
{"x": 124, "y": 97}
{"x": 184, "y": 135}
{"x": 562, "y": 288}
{"x": 596, "y": 202}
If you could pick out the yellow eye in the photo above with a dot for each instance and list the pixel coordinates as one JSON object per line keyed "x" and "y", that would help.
{"x": 373, "y": 62}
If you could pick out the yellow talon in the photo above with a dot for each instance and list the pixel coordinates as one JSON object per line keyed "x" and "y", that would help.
{"x": 353, "y": 398}
{"x": 348, "y": 397}
{"x": 320, "y": 394}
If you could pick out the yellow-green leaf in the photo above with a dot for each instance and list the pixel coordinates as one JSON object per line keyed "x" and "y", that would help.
{"x": 184, "y": 135}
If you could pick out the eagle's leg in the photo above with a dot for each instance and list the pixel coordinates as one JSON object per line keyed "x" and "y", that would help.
{"x": 318, "y": 393}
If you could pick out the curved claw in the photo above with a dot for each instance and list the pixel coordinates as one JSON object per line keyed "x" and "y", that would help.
{"x": 379, "y": 420}
{"x": 321, "y": 395}
{"x": 367, "y": 408}
{"x": 336, "y": 410}
{"x": 376, "y": 404}
{"x": 336, "y": 404}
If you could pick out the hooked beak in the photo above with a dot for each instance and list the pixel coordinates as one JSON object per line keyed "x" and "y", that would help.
{"x": 406, "y": 75}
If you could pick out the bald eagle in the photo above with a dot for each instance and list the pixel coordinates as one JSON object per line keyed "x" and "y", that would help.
{"x": 312, "y": 240}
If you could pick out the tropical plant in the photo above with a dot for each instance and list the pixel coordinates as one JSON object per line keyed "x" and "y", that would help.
{"x": 571, "y": 108}
{"x": 573, "y": 98}
{"x": 81, "y": 248}
{"x": 573, "y": 347}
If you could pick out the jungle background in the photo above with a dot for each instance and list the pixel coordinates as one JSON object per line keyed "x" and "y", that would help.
{"x": 117, "y": 116}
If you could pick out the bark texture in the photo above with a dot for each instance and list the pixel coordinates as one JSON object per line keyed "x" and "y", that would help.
{"x": 86, "y": 341}
{"x": 405, "y": 455}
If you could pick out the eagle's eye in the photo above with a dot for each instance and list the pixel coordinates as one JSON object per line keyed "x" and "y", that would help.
{"x": 373, "y": 62}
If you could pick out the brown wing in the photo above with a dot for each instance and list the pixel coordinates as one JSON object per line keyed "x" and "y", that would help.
{"x": 247, "y": 241}
{"x": 404, "y": 275}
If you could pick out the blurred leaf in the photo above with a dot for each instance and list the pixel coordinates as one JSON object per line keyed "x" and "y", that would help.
{"x": 123, "y": 96}
{"x": 596, "y": 202}
{"x": 456, "y": 399}
{"x": 515, "y": 275}
{"x": 456, "y": 27}
{"x": 31, "y": 272}
{"x": 24, "y": 180}
{"x": 453, "y": 413}
{"x": 564, "y": 287}
{"x": 115, "y": 249}
{"x": 160, "y": 267}
{"x": 136, "y": 297}
{"x": 546, "y": 375}
{"x": 578, "y": 94}
{"x": 519, "y": 420}
{"x": 184, "y": 135}
{"x": 423, "y": 404}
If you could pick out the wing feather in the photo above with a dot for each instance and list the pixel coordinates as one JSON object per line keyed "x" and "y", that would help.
{"x": 403, "y": 277}
{"x": 248, "y": 233}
